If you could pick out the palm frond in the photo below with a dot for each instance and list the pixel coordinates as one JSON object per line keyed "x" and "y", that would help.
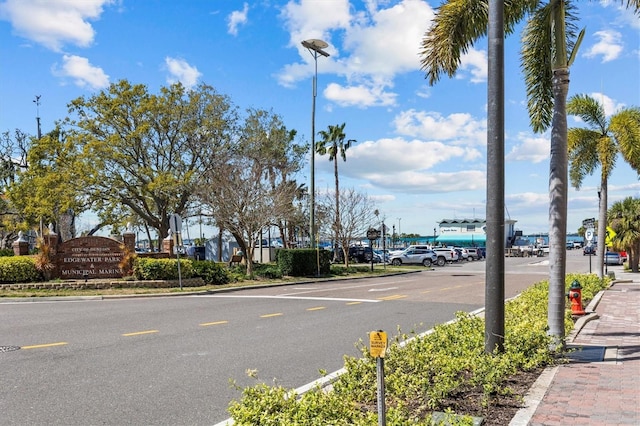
{"x": 589, "y": 110}
{"x": 536, "y": 55}
{"x": 457, "y": 24}
{"x": 583, "y": 157}
{"x": 625, "y": 126}
{"x": 633, "y": 4}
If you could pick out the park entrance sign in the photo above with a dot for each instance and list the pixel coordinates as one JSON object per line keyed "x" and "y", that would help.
{"x": 90, "y": 257}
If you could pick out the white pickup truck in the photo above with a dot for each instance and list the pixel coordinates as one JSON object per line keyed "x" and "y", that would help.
{"x": 445, "y": 255}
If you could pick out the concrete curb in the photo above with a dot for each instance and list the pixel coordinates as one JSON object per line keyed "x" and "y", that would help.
{"x": 190, "y": 293}
{"x": 47, "y": 299}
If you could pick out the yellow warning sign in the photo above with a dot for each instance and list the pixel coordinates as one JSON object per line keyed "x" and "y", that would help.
{"x": 610, "y": 236}
{"x": 377, "y": 343}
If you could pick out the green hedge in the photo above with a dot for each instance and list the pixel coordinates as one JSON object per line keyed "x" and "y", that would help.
{"x": 18, "y": 269}
{"x": 212, "y": 273}
{"x": 304, "y": 262}
{"x": 161, "y": 269}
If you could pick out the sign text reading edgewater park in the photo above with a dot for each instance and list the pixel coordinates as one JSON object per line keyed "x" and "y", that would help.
{"x": 90, "y": 257}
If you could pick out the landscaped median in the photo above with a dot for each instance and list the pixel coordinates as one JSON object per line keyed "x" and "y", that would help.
{"x": 20, "y": 277}
{"x": 444, "y": 370}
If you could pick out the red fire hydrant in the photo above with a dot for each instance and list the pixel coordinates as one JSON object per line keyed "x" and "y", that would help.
{"x": 575, "y": 296}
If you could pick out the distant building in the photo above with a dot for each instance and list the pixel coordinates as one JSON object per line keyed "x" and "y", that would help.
{"x": 469, "y": 232}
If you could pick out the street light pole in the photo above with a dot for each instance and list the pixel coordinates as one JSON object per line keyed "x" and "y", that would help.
{"x": 315, "y": 47}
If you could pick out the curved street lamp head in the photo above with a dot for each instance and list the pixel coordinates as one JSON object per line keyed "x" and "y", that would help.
{"x": 316, "y": 45}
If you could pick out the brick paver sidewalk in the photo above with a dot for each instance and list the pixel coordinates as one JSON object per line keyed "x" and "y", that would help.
{"x": 605, "y": 390}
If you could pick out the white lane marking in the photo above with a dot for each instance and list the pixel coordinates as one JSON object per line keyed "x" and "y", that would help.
{"x": 349, "y": 287}
{"x": 335, "y": 299}
{"x": 383, "y": 289}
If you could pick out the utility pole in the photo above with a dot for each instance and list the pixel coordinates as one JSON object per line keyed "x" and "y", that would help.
{"x": 37, "y": 102}
{"x": 494, "y": 288}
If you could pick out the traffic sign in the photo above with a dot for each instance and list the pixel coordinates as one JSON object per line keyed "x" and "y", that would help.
{"x": 610, "y": 236}
{"x": 589, "y": 234}
{"x": 373, "y": 234}
{"x": 589, "y": 223}
{"x": 377, "y": 343}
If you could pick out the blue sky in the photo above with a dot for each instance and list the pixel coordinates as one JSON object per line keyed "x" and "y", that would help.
{"x": 420, "y": 151}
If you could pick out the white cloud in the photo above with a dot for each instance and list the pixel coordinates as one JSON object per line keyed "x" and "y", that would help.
{"x": 609, "y": 45}
{"x": 406, "y": 166}
{"x": 458, "y": 129}
{"x": 378, "y": 44}
{"x": 82, "y": 72}
{"x": 534, "y": 149}
{"x": 181, "y": 71}
{"x": 415, "y": 182}
{"x": 237, "y": 18}
{"x": 475, "y": 62}
{"x": 308, "y": 19}
{"x": 363, "y": 95}
{"x": 53, "y": 23}
{"x": 387, "y": 42}
{"x": 627, "y": 15}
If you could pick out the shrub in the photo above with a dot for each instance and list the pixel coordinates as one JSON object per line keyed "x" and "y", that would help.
{"x": 301, "y": 263}
{"x": 18, "y": 269}
{"x": 161, "y": 269}
{"x": 211, "y": 272}
{"x": 267, "y": 270}
{"x": 339, "y": 270}
{"x": 6, "y": 252}
{"x": 424, "y": 374}
{"x": 43, "y": 260}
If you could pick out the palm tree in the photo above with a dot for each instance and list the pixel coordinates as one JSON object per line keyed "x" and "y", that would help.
{"x": 625, "y": 221}
{"x": 549, "y": 34}
{"x": 333, "y": 143}
{"x": 598, "y": 145}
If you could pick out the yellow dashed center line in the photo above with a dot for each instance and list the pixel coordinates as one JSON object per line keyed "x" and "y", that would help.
{"x": 317, "y": 308}
{"x": 354, "y": 303}
{"x": 393, "y": 297}
{"x": 138, "y": 333}
{"x": 46, "y": 345}
{"x": 205, "y": 324}
{"x": 271, "y": 315}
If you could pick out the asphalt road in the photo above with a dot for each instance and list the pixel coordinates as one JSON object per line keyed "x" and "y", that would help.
{"x": 169, "y": 360}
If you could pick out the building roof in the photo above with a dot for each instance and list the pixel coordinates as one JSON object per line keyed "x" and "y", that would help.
{"x": 447, "y": 221}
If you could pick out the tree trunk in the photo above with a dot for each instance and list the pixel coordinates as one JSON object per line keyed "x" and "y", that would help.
{"x": 558, "y": 181}
{"x": 602, "y": 226}
{"x": 337, "y": 221}
{"x": 634, "y": 256}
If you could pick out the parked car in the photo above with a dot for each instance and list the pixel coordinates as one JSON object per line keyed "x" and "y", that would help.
{"x": 414, "y": 256}
{"x": 612, "y": 258}
{"x": 624, "y": 256}
{"x": 445, "y": 255}
{"x": 463, "y": 254}
{"x": 474, "y": 253}
{"x": 381, "y": 254}
{"x": 589, "y": 250}
{"x": 361, "y": 254}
